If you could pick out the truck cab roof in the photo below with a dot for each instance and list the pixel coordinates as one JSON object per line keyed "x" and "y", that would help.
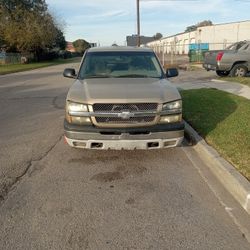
{"x": 120, "y": 48}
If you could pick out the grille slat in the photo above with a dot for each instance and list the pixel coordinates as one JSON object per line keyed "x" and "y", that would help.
{"x": 143, "y": 119}
{"x": 103, "y": 107}
{"x": 125, "y": 107}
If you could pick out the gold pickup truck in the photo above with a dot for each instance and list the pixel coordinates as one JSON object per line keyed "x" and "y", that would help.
{"x": 121, "y": 99}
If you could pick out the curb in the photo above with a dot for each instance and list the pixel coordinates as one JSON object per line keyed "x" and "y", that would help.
{"x": 230, "y": 178}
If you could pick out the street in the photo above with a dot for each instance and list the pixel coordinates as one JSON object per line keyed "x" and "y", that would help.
{"x": 56, "y": 197}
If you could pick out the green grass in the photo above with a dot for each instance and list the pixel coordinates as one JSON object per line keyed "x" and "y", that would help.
{"x": 242, "y": 80}
{"x": 222, "y": 119}
{"x": 13, "y": 68}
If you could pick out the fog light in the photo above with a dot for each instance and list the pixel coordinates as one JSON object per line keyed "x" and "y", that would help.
{"x": 169, "y": 143}
{"x": 79, "y": 144}
{"x": 171, "y": 118}
{"x": 80, "y": 120}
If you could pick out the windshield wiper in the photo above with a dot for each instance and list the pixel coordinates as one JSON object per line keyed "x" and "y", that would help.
{"x": 133, "y": 76}
{"x": 137, "y": 76}
{"x": 121, "y": 76}
{"x": 98, "y": 76}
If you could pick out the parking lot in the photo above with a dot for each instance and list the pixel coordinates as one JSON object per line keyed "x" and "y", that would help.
{"x": 56, "y": 197}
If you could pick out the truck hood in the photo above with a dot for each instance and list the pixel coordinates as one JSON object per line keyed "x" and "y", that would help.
{"x": 122, "y": 90}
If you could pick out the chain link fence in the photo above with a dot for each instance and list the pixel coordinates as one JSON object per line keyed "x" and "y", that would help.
{"x": 178, "y": 54}
{"x": 15, "y": 58}
{"x": 10, "y": 58}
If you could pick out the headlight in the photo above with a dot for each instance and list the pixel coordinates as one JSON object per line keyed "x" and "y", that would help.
{"x": 73, "y": 107}
{"x": 74, "y": 113}
{"x": 172, "y": 105}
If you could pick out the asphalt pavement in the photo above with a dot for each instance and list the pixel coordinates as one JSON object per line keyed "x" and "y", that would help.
{"x": 56, "y": 197}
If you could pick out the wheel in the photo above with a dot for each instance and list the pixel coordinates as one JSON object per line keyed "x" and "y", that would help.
{"x": 238, "y": 70}
{"x": 222, "y": 73}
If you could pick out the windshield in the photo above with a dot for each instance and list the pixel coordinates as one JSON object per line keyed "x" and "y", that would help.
{"x": 120, "y": 64}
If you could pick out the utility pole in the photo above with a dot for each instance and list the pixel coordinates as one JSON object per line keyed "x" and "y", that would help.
{"x": 138, "y": 15}
{"x": 138, "y": 23}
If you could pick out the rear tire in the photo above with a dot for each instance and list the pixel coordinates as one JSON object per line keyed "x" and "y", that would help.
{"x": 238, "y": 70}
{"x": 222, "y": 73}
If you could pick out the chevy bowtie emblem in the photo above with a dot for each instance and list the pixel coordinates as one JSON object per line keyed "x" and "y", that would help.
{"x": 126, "y": 115}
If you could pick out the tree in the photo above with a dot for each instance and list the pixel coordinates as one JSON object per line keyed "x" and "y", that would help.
{"x": 81, "y": 45}
{"x": 60, "y": 41}
{"x": 158, "y": 36}
{"x": 204, "y": 23}
{"x": 38, "y": 6}
{"x": 27, "y": 26}
{"x": 2, "y": 43}
{"x": 200, "y": 24}
{"x": 24, "y": 31}
{"x": 191, "y": 28}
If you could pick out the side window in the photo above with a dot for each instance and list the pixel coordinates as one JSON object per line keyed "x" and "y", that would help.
{"x": 245, "y": 47}
{"x": 248, "y": 48}
{"x": 239, "y": 45}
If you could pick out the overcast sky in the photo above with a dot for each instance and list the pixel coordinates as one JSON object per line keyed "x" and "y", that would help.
{"x": 109, "y": 21}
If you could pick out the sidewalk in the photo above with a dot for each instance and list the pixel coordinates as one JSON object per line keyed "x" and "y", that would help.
{"x": 230, "y": 87}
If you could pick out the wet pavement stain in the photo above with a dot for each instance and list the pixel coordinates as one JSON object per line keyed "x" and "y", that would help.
{"x": 78, "y": 241}
{"x": 93, "y": 160}
{"x": 107, "y": 176}
{"x": 131, "y": 170}
{"x": 130, "y": 201}
{"x": 120, "y": 172}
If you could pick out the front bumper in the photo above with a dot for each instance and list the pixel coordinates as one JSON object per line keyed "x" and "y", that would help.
{"x": 154, "y": 137}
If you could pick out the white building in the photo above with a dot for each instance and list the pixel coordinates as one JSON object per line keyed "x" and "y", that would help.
{"x": 213, "y": 37}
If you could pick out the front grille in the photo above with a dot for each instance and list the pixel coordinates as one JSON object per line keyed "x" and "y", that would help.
{"x": 103, "y": 107}
{"x": 144, "y": 119}
{"x": 125, "y": 107}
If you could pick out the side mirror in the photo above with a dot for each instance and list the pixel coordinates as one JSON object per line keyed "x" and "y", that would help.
{"x": 70, "y": 73}
{"x": 172, "y": 72}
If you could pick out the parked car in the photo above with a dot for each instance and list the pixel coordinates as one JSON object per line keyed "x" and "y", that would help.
{"x": 121, "y": 99}
{"x": 224, "y": 61}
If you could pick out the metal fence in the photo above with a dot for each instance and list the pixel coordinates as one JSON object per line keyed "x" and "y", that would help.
{"x": 10, "y": 58}
{"x": 15, "y": 58}
{"x": 176, "y": 53}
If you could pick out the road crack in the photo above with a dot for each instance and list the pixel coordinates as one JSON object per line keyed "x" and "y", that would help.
{"x": 58, "y": 102}
{"x": 30, "y": 97}
{"x": 28, "y": 170}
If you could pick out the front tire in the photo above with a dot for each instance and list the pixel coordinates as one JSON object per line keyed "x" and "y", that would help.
{"x": 222, "y": 73}
{"x": 238, "y": 70}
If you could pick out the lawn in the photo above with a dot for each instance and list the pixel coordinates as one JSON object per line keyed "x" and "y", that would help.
{"x": 222, "y": 119}
{"x": 12, "y": 68}
{"x": 242, "y": 80}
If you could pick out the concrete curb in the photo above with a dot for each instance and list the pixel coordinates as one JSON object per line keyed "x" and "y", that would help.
{"x": 230, "y": 178}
